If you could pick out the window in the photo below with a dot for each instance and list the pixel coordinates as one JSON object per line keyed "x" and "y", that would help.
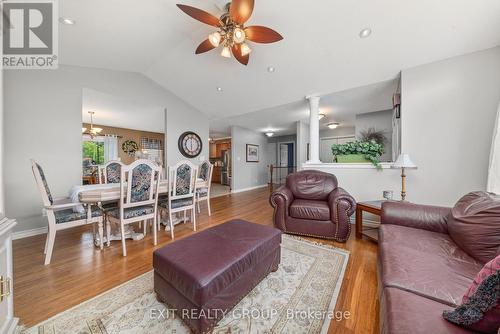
{"x": 93, "y": 152}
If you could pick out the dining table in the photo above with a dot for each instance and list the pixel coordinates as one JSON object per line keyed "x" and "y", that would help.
{"x": 100, "y": 193}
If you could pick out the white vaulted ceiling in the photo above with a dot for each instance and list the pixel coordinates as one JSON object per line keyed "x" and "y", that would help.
{"x": 321, "y": 51}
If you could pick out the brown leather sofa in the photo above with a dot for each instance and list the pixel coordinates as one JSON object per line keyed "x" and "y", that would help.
{"x": 312, "y": 204}
{"x": 422, "y": 270}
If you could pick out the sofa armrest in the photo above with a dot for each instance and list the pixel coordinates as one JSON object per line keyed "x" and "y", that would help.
{"x": 342, "y": 206}
{"x": 425, "y": 217}
{"x": 281, "y": 199}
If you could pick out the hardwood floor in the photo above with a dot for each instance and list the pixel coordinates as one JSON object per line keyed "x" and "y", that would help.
{"x": 80, "y": 271}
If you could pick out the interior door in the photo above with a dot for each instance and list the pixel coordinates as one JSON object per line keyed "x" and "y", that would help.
{"x": 271, "y": 147}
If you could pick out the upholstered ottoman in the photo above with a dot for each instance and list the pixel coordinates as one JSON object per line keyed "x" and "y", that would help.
{"x": 208, "y": 273}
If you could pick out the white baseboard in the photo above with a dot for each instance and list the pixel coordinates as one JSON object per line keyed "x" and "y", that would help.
{"x": 248, "y": 189}
{"x": 29, "y": 233}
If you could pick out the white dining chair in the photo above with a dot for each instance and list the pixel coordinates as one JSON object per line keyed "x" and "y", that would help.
{"x": 181, "y": 193}
{"x": 60, "y": 213}
{"x": 110, "y": 172}
{"x": 203, "y": 186}
{"x": 138, "y": 197}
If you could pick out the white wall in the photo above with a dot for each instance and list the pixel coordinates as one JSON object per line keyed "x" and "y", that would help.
{"x": 248, "y": 174}
{"x": 341, "y": 131}
{"x": 43, "y": 115}
{"x": 448, "y": 113}
{"x": 302, "y": 141}
{"x": 380, "y": 121}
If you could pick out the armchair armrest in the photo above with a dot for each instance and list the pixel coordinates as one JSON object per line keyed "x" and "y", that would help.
{"x": 425, "y": 217}
{"x": 62, "y": 206}
{"x": 281, "y": 199}
{"x": 342, "y": 206}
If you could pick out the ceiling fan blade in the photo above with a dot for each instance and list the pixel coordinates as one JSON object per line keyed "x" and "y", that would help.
{"x": 241, "y": 10}
{"x": 260, "y": 34}
{"x": 239, "y": 57}
{"x": 200, "y": 15}
{"x": 204, "y": 47}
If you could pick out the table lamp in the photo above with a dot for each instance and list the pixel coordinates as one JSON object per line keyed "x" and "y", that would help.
{"x": 403, "y": 162}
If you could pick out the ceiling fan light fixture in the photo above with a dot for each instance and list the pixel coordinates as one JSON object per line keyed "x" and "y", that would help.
{"x": 333, "y": 125}
{"x": 239, "y": 35}
{"x": 215, "y": 38}
{"x": 226, "y": 52}
{"x": 245, "y": 49}
{"x": 321, "y": 116}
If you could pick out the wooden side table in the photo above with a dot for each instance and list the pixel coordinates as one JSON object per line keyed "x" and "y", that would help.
{"x": 373, "y": 207}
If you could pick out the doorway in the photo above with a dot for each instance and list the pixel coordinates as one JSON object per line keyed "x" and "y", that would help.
{"x": 286, "y": 159}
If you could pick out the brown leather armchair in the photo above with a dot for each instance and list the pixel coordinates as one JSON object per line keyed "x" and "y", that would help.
{"x": 311, "y": 204}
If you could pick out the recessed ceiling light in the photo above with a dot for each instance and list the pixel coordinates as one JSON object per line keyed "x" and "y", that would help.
{"x": 271, "y": 69}
{"x": 365, "y": 32}
{"x": 219, "y": 89}
{"x": 269, "y": 134}
{"x": 67, "y": 20}
{"x": 333, "y": 125}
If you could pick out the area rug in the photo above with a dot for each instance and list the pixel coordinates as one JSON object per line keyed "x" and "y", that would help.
{"x": 299, "y": 297}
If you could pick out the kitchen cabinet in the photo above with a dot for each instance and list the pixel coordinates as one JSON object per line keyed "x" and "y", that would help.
{"x": 216, "y": 174}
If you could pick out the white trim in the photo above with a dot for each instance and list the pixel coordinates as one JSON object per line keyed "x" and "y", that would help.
{"x": 334, "y": 165}
{"x": 248, "y": 189}
{"x": 29, "y": 233}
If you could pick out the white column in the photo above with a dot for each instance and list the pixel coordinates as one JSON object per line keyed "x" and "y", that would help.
{"x": 313, "y": 129}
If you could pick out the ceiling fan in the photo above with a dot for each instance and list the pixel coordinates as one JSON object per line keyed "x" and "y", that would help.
{"x": 231, "y": 33}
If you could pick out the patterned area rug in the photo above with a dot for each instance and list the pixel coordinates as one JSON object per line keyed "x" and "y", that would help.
{"x": 299, "y": 297}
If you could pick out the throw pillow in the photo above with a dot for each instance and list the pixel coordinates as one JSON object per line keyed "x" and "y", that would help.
{"x": 480, "y": 309}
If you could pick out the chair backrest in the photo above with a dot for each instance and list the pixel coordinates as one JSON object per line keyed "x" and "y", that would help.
{"x": 111, "y": 172}
{"x": 182, "y": 180}
{"x": 140, "y": 181}
{"x": 41, "y": 182}
{"x": 205, "y": 171}
{"x": 311, "y": 184}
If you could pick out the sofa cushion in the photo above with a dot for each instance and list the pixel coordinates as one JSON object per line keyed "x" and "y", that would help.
{"x": 474, "y": 224}
{"x": 308, "y": 209}
{"x": 424, "y": 241}
{"x": 405, "y": 312}
{"x": 433, "y": 269}
{"x": 311, "y": 184}
{"x": 480, "y": 309}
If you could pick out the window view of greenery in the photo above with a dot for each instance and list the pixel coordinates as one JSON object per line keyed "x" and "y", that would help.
{"x": 93, "y": 152}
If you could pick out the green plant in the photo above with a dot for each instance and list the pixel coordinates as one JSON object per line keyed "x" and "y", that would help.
{"x": 371, "y": 134}
{"x": 371, "y": 150}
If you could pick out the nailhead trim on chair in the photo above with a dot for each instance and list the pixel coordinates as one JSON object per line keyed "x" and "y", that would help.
{"x": 335, "y": 237}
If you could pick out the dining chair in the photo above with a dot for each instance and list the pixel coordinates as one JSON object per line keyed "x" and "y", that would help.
{"x": 203, "y": 187}
{"x": 138, "y": 197}
{"x": 60, "y": 213}
{"x": 110, "y": 172}
{"x": 181, "y": 193}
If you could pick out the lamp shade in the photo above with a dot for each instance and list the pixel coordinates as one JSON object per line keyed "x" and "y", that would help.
{"x": 403, "y": 161}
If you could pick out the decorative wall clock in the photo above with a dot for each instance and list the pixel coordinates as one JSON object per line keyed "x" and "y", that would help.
{"x": 190, "y": 144}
